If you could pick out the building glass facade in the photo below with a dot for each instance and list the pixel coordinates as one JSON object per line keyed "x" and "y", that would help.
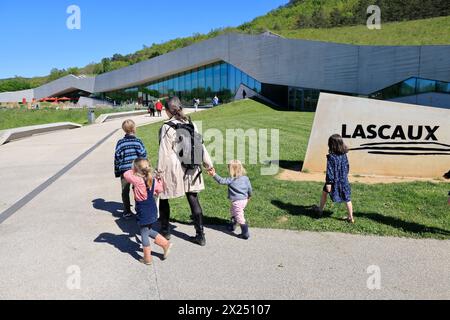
{"x": 301, "y": 99}
{"x": 221, "y": 79}
{"x": 411, "y": 86}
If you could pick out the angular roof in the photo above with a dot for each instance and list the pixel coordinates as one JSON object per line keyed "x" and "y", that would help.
{"x": 276, "y": 60}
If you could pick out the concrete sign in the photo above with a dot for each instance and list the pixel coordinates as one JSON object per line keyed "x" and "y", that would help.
{"x": 384, "y": 138}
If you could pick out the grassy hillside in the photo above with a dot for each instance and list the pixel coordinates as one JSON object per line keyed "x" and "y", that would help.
{"x": 334, "y": 13}
{"x": 434, "y": 31}
{"x": 416, "y": 210}
{"x": 303, "y": 19}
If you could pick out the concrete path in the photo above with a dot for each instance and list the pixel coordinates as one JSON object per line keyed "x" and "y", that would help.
{"x": 73, "y": 225}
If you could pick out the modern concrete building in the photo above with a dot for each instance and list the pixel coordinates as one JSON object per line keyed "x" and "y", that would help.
{"x": 290, "y": 73}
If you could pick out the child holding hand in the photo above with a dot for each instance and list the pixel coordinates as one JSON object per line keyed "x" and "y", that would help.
{"x": 144, "y": 186}
{"x": 239, "y": 193}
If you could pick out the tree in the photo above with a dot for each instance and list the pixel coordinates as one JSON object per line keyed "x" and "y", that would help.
{"x": 106, "y": 63}
{"x": 74, "y": 70}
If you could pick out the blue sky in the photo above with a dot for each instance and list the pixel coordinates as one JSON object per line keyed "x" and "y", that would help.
{"x": 34, "y": 37}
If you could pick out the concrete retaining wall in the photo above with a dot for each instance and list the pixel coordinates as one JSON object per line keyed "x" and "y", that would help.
{"x": 23, "y": 132}
{"x": 111, "y": 116}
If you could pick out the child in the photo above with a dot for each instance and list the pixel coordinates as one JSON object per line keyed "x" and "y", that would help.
{"x": 127, "y": 150}
{"x": 239, "y": 193}
{"x": 147, "y": 212}
{"x": 337, "y": 185}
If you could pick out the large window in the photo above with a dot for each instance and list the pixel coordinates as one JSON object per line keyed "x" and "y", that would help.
{"x": 201, "y": 78}
{"x": 216, "y": 77}
{"x": 209, "y": 79}
{"x": 443, "y": 87}
{"x": 411, "y": 86}
{"x": 302, "y": 99}
{"x": 224, "y": 76}
{"x": 221, "y": 79}
{"x": 232, "y": 78}
{"x": 424, "y": 85}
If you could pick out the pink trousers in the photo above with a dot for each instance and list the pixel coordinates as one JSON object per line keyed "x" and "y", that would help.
{"x": 237, "y": 210}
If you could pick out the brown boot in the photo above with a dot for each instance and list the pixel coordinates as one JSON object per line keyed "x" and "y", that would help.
{"x": 165, "y": 244}
{"x": 147, "y": 256}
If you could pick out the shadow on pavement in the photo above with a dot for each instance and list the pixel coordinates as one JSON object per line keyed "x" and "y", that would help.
{"x": 298, "y": 210}
{"x": 115, "y": 208}
{"x": 121, "y": 242}
{"x": 129, "y": 227}
{"x": 213, "y": 223}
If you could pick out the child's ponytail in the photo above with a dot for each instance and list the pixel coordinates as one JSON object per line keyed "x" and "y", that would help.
{"x": 147, "y": 173}
{"x": 143, "y": 168}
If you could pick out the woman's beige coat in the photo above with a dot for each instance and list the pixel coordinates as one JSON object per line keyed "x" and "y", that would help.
{"x": 169, "y": 166}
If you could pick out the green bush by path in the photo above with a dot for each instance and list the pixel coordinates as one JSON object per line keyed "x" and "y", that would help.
{"x": 14, "y": 118}
{"x": 417, "y": 210}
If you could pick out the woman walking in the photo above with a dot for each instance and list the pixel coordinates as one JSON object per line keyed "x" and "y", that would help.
{"x": 180, "y": 179}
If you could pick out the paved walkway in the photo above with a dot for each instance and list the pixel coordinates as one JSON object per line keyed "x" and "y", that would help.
{"x": 73, "y": 224}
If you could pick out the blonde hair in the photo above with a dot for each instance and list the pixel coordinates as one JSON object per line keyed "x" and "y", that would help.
{"x": 143, "y": 168}
{"x": 129, "y": 126}
{"x": 236, "y": 169}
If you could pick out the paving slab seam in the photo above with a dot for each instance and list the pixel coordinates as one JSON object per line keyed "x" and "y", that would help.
{"x": 156, "y": 281}
{"x": 33, "y": 194}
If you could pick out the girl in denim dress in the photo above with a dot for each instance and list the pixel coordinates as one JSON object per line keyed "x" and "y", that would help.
{"x": 336, "y": 184}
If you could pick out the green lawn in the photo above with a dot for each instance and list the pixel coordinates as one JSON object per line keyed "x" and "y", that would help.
{"x": 435, "y": 31}
{"x": 416, "y": 210}
{"x": 13, "y": 118}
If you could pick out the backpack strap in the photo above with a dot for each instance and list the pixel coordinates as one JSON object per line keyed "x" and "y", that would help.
{"x": 171, "y": 125}
{"x": 198, "y": 176}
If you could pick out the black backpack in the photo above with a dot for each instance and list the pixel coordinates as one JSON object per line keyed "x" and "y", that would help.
{"x": 190, "y": 144}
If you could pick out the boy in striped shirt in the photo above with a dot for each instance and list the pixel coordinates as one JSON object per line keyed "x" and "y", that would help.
{"x": 127, "y": 150}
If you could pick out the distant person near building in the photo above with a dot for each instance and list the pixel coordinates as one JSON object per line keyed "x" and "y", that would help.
{"x": 244, "y": 94}
{"x": 196, "y": 104}
{"x": 151, "y": 109}
{"x": 159, "y": 107}
{"x": 215, "y": 101}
